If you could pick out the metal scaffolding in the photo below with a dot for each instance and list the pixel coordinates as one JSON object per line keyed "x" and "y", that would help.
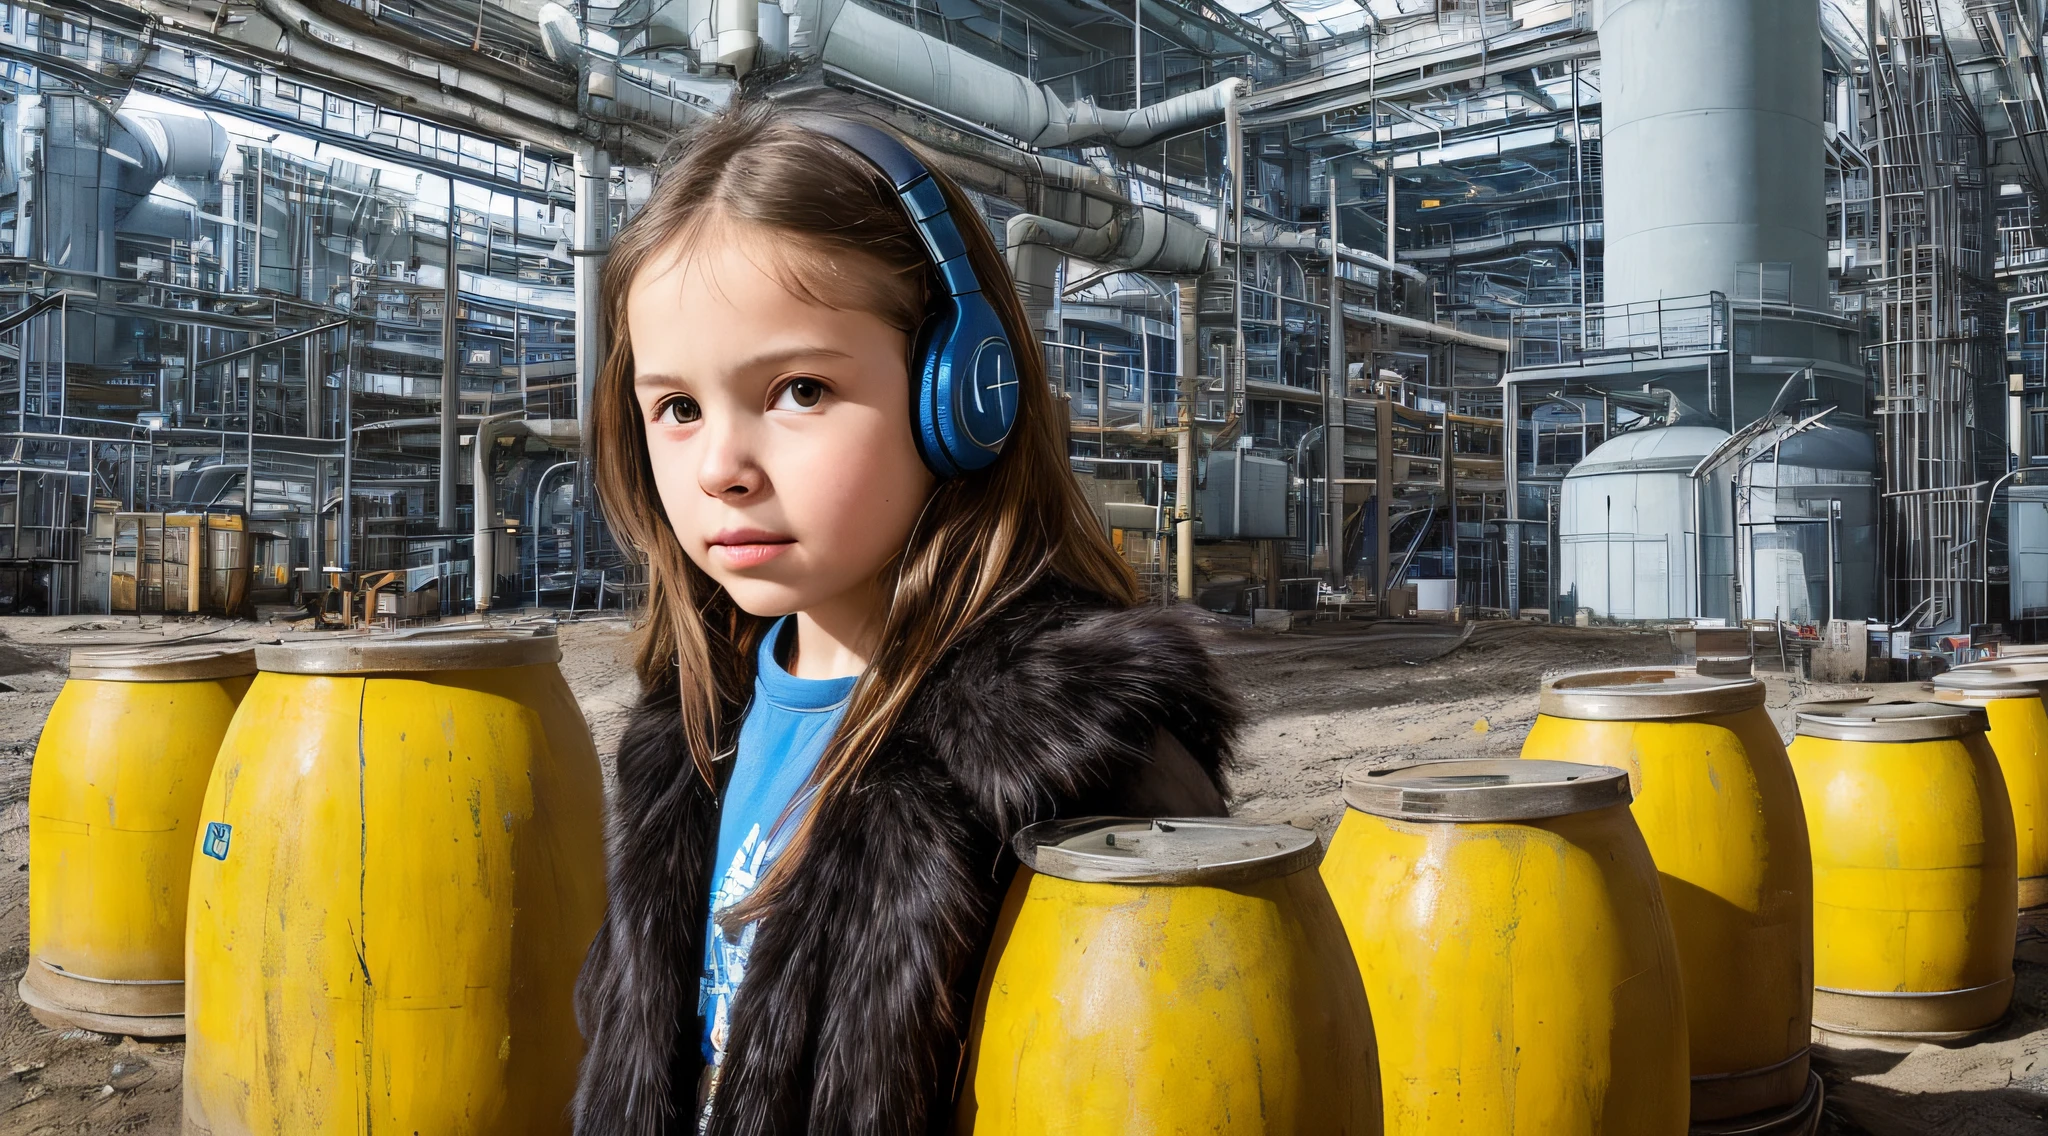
{"x": 1936, "y": 313}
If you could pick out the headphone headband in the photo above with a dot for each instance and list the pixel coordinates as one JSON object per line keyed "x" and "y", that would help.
{"x": 966, "y": 397}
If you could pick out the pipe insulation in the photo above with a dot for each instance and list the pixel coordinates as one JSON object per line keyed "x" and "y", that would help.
{"x": 931, "y": 71}
{"x": 449, "y": 92}
{"x": 662, "y": 96}
{"x": 1142, "y": 239}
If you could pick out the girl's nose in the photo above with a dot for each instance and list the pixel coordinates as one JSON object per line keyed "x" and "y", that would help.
{"x": 728, "y": 468}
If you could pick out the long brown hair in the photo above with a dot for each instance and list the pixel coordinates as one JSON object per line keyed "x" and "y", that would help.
{"x": 984, "y": 537}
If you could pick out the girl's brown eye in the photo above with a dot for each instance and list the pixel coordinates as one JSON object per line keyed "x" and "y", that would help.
{"x": 677, "y": 410}
{"x": 800, "y": 394}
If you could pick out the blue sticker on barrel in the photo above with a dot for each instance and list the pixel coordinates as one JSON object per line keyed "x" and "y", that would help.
{"x": 216, "y": 842}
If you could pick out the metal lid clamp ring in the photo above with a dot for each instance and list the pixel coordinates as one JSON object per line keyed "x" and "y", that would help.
{"x": 171, "y": 662}
{"x": 1483, "y": 790}
{"x": 1206, "y": 851}
{"x": 1888, "y": 722}
{"x": 482, "y": 647}
{"x": 1635, "y": 694}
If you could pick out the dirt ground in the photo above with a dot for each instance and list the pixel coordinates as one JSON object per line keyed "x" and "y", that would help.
{"x": 1323, "y": 701}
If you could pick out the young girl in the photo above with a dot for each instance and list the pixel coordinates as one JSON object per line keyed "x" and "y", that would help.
{"x": 878, "y": 642}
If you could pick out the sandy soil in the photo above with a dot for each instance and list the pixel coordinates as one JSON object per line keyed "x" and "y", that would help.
{"x": 1324, "y": 701}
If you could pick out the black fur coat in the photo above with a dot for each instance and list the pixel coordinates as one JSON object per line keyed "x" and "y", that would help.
{"x": 853, "y": 1015}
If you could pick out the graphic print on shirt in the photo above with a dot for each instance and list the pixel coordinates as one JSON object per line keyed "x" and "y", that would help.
{"x": 725, "y": 958}
{"x": 725, "y": 961}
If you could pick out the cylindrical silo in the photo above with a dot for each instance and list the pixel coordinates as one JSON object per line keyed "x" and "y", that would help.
{"x": 1711, "y": 136}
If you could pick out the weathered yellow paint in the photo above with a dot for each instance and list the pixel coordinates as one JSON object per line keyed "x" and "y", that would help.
{"x": 113, "y": 806}
{"x": 1718, "y": 806}
{"x": 2019, "y": 739}
{"x": 1522, "y": 975}
{"x": 414, "y": 873}
{"x": 1913, "y": 865}
{"x": 1110, "y": 1008}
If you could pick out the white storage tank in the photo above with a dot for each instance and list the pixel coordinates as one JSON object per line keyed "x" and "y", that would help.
{"x": 1807, "y": 507}
{"x": 2027, "y": 549}
{"x": 1630, "y": 541}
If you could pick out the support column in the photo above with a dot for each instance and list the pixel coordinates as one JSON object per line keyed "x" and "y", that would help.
{"x": 451, "y": 379}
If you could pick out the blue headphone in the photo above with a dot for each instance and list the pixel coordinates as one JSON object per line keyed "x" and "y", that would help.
{"x": 964, "y": 396}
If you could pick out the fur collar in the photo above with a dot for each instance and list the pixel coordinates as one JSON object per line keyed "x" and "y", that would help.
{"x": 854, "y": 1011}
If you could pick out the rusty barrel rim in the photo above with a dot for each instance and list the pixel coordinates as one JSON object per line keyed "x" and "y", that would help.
{"x": 1888, "y": 721}
{"x": 479, "y": 647}
{"x": 1486, "y": 789}
{"x": 1206, "y": 851}
{"x": 167, "y": 662}
{"x": 1632, "y": 694}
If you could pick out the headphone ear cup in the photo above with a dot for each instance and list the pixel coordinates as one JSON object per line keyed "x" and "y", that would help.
{"x": 925, "y": 357}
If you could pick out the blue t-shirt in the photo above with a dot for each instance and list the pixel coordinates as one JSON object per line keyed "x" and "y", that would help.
{"x": 784, "y": 734}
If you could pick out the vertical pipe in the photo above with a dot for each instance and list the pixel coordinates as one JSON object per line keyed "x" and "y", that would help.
{"x": 1333, "y": 402}
{"x": 313, "y": 353}
{"x": 451, "y": 377}
{"x": 345, "y": 539}
{"x": 1450, "y": 470}
{"x": 255, "y": 364}
{"x": 1184, "y": 492}
{"x": 1233, "y": 151}
{"x": 593, "y": 176}
{"x": 1511, "y": 454}
{"x": 1392, "y": 200}
{"x": 1145, "y": 373}
{"x": 1383, "y": 495}
{"x": 1102, "y": 397}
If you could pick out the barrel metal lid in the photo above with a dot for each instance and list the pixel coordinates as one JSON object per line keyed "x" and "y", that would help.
{"x": 2025, "y": 670}
{"x": 473, "y": 648}
{"x": 1888, "y": 721}
{"x": 166, "y": 662}
{"x": 1167, "y": 850}
{"x": 1487, "y": 789}
{"x": 1979, "y": 685}
{"x": 1630, "y": 694}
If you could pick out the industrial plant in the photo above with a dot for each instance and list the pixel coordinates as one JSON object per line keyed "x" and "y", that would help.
{"x": 1581, "y": 466}
{"x": 1554, "y": 309}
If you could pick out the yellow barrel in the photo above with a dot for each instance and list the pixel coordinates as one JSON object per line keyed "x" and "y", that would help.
{"x": 1169, "y": 976}
{"x": 2010, "y": 696}
{"x": 401, "y": 871}
{"x": 1913, "y": 870}
{"x": 113, "y": 813}
{"x": 1717, "y": 805}
{"x": 1516, "y": 952}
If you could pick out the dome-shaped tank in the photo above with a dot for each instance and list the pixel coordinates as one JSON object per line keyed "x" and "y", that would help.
{"x": 1630, "y": 542}
{"x": 1807, "y": 510}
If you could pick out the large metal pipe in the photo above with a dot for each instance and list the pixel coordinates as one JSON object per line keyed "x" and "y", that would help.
{"x": 1712, "y": 145}
{"x": 593, "y": 171}
{"x": 483, "y": 566}
{"x": 938, "y": 74}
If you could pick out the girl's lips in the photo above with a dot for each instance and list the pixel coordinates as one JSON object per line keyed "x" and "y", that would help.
{"x": 750, "y": 555}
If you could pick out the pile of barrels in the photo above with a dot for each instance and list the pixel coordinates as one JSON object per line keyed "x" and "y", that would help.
{"x": 1640, "y": 928}
{"x": 358, "y": 874}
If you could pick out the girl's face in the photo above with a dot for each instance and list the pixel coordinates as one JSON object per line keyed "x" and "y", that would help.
{"x": 778, "y": 429}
